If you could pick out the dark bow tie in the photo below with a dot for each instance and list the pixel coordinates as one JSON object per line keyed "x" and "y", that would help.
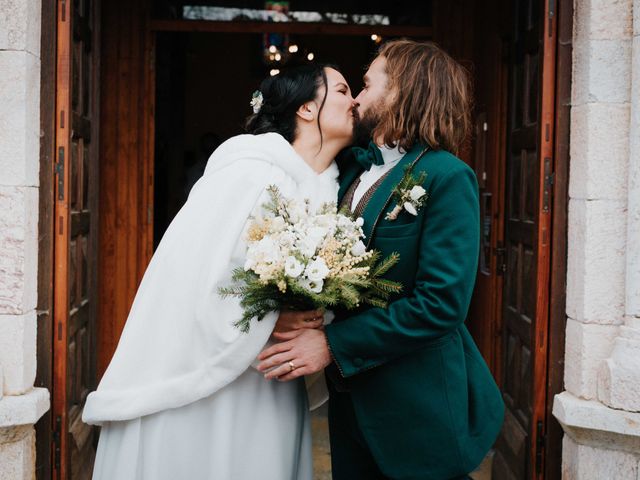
{"x": 368, "y": 156}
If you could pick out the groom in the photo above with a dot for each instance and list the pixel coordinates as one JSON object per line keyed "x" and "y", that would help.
{"x": 410, "y": 395}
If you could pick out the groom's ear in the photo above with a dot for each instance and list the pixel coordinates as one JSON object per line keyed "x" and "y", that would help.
{"x": 307, "y": 111}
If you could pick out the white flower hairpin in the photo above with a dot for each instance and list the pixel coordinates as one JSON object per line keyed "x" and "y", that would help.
{"x": 256, "y": 101}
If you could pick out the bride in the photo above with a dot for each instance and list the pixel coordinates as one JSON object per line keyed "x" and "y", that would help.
{"x": 180, "y": 398}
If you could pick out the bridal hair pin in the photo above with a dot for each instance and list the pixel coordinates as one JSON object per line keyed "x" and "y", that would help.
{"x": 256, "y": 101}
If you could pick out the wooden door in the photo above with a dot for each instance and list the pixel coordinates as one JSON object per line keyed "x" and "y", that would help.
{"x": 520, "y": 446}
{"x": 75, "y": 237}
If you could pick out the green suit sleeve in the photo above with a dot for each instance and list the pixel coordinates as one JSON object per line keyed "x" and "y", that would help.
{"x": 438, "y": 304}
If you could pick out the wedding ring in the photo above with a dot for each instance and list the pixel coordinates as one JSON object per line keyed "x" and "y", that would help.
{"x": 292, "y": 366}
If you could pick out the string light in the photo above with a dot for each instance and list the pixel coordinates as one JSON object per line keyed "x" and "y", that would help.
{"x": 274, "y": 72}
{"x": 278, "y": 57}
{"x": 311, "y": 56}
{"x": 273, "y": 49}
{"x": 293, "y": 48}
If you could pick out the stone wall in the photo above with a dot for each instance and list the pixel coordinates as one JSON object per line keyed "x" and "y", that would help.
{"x": 600, "y": 409}
{"x": 20, "y": 404}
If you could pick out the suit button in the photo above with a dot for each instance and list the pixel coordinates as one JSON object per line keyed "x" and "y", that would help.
{"x": 358, "y": 362}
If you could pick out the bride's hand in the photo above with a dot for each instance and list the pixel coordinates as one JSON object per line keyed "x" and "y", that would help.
{"x": 293, "y": 320}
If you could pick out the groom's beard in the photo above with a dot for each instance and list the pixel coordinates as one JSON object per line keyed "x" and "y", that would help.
{"x": 365, "y": 126}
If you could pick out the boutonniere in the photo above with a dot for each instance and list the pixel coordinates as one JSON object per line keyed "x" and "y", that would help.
{"x": 409, "y": 195}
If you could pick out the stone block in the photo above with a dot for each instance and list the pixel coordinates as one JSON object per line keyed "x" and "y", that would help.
{"x": 20, "y": 25}
{"x": 599, "y": 151}
{"x": 601, "y": 71}
{"x": 18, "y": 352}
{"x": 582, "y": 462}
{"x": 619, "y": 379}
{"x": 18, "y": 458}
{"x": 596, "y": 264}
{"x": 632, "y": 303}
{"x": 602, "y": 19}
{"x": 19, "y": 118}
{"x": 586, "y": 347}
{"x": 19, "y": 247}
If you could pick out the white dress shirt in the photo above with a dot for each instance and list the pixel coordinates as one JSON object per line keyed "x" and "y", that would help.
{"x": 391, "y": 157}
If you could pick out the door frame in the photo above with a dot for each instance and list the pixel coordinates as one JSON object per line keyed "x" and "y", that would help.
{"x": 44, "y": 353}
{"x": 559, "y": 229}
{"x": 557, "y": 319}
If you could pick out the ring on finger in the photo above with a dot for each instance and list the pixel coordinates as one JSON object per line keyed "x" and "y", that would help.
{"x": 292, "y": 366}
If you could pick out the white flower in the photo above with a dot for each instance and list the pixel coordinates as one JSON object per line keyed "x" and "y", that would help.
{"x": 359, "y": 221}
{"x": 409, "y": 207}
{"x": 416, "y": 193}
{"x": 317, "y": 270}
{"x": 317, "y": 234}
{"x": 268, "y": 249}
{"x": 326, "y": 221}
{"x": 256, "y": 101}
{"x": 344, "y": 222}
{"x": 277, "y": 224}
{"x": 311, "y": 285}
{"x": 292, "y": 267}
{"x": 358, "y": 249}
{"x": 307, "y": 246}
{"x": 287, "y": 239}
{"x": 297, "y": 212}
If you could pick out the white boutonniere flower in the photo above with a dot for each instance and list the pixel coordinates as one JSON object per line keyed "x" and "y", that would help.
{"x": 409, "y": 195}
{"x": 256, "y": 101}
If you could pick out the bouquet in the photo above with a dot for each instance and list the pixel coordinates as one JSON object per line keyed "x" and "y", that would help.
{"x": 299, "y": 259}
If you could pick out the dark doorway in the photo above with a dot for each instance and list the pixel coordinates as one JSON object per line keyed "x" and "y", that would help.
{"x": 204, "y": 83}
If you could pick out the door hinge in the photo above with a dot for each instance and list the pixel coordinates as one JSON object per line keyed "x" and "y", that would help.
{"x": 540, "y": 444}
{"x": 56, "y": 443}
{"x": 60, "y": 173}
{"x": 500, "y": 253}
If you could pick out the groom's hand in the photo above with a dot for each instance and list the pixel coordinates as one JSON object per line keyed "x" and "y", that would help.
{"x": 301, "y": 352}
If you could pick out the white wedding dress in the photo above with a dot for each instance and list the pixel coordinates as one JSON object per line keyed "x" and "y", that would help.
{"x": 181, "y": 398}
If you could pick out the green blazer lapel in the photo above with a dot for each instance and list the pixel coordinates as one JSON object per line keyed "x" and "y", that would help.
{"x": 382, "y": 196}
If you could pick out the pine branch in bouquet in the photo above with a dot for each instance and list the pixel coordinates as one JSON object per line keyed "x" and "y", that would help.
{"x": 298, "y": 259}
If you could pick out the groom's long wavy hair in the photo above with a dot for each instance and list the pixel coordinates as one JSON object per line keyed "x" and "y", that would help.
{"x": 429, "y": 97}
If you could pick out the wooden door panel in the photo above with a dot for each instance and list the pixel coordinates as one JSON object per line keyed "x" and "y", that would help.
{"x": 75, "y": 239}
{"x": 519, "y": 449}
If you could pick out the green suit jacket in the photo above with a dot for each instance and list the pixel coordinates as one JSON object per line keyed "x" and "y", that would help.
{"x": 425, "y": 401}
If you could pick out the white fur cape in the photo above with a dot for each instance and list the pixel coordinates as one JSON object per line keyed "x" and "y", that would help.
{"x": 179, "y": 344}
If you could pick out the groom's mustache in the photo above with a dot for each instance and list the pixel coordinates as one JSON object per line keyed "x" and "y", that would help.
{"x": 356, "y": 114}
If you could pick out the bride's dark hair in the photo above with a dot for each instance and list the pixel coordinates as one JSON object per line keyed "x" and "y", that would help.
{"x": 283, "y": 94}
